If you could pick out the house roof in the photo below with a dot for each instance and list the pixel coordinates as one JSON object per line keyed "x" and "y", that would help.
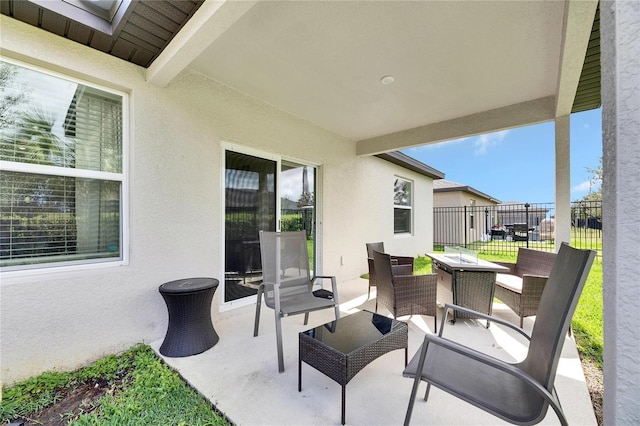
{"x": 137, "y": 34}
{"x": 448, "y": 186}
{"x": 460, "y": 68}
{"x": 412, "y": 164}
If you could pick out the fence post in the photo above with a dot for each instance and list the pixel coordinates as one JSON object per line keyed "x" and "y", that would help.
{"x": 486, "y": 220}
{"x": 465, "y": 226}
{"x": 526, "y": 220}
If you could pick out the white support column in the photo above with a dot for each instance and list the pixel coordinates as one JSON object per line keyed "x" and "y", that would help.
{"x": 620, "y": 49}
{"x": 563, "y": 182}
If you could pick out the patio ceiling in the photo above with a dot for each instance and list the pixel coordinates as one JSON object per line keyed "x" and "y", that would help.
{"x": 460, "y": 68}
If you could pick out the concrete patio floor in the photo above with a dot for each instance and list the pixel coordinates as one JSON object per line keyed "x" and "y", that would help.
{"x": 239, "y": 375}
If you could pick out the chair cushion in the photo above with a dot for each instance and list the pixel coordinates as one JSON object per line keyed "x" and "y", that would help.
{"x": 512, "y": 282}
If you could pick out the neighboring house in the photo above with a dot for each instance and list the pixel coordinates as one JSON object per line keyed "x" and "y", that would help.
{"x": 208, "y": 89}
{"x": 461, "y": 212}
{"x": 512, "y": 212}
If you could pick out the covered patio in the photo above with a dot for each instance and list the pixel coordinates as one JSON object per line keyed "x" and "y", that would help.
{"x": 308, "y": 82}
{"x": 239, "y": 375}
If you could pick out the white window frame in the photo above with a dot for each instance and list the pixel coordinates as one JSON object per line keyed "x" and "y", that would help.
{"x": 402, "y": 207}
{"x": 123, "y": 178}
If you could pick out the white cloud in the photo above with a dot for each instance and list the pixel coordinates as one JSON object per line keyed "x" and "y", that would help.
{"x": 489, "y": 140}
{"x": 582, "y": 187}
{"x": 586, "y": 186}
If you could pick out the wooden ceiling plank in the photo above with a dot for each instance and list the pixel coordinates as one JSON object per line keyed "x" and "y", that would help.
{"x": 142, "y": 57}
{"x": 150, "y": 27}
{"x": 136, "y": 38}
{"x": 101, "y": 41}
{"x": 5, "y": 7}
{"x": 79, "y": 33}
{"x": 54, "y": 22}
{"x": 166, "y": 9}
{"x": 185, "y": 7}
{"x": 122, "y": 49}
{"x": 26, "y": 12}
{"x": 153, "y": 15}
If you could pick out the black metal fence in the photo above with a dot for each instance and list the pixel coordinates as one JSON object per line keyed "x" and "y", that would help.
{"x": 503, "y": 228}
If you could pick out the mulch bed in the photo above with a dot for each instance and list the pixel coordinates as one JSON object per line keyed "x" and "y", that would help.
{"x": 75, "y": 401}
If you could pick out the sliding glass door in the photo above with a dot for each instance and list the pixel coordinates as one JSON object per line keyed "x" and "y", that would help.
{"x": 250, "y": 206}
{"x": 262, "y": 194}
{"x": 297, "y": 209}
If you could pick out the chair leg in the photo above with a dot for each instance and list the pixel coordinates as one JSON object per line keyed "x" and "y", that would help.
{"x": 435, "y": 324}
{"x": 337, "y": 310}
{"x": 412, "y": 399}
{"x": 426, "y": 393}
{"x": 279, "y": 342}
{"x": 416, "y": 382}
{"x": 306, "y": 318}
{"x": 521, "y": 321}
{"x": 256, "y": 323}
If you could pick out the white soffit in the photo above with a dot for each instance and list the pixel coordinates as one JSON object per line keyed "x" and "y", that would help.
{"x": 323, "y": 61}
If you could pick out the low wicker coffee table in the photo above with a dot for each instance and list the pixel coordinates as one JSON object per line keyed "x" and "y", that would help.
{"x": 340, "y": 349}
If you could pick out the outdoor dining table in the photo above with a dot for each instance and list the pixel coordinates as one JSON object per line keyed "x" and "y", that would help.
{"x": 465, "y": 281}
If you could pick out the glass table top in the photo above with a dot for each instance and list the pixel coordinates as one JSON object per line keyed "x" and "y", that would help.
{"x": 353, "y": 331}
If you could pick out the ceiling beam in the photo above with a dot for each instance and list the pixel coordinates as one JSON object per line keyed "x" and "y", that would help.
{"x": 209, "y": 22}
{"x": 522, "y": 114}
{"x": 578, "y": 21}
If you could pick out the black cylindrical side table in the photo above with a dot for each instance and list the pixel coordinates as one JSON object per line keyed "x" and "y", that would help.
{"x": 190, "y": 330}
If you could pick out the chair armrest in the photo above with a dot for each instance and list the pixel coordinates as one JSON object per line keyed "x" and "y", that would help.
{"x": 510, "y": 265}
{"x": 533, "y": 285}
{"x": 530, "y": 276}
{"x": 334, "y": 286}
{"x": 493, "y": 319}
{"x": 398, "y": 270}
{"x": 403, "y": 260}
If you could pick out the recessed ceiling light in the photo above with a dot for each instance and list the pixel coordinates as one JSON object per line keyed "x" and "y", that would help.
{"x": 387, "y": 79}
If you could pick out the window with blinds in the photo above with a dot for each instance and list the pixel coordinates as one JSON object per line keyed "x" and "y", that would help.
{"x": 402, "y": 206}
{"x": 61, "y": 170}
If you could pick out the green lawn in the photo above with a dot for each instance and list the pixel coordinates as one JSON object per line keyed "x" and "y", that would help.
{"x": 138, "y": 389}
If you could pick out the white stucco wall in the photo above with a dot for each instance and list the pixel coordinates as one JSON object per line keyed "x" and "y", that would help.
{"x": 620, "y": 44}
{"x": 62, "y": 320}
{"x": 374, "y": 211}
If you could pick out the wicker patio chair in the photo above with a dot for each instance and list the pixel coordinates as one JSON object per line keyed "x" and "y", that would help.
{"x": 521, "y": 288}
{"x": 521, "y": 392}
{"x": 402, "y": 264}
{"x": 287, "y": 286}
{"x": 405, "y": 294}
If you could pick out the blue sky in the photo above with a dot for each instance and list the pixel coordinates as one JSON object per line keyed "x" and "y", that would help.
{"x": 518, "y": 164}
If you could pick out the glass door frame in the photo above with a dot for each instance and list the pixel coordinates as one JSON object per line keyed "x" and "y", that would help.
{"x": 241, "y": 149}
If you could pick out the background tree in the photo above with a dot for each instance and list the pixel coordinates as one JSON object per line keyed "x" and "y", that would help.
{"x": 595, "y": 179}
{"x": 11, "y": 96}
{"x": 587, "y": 212}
